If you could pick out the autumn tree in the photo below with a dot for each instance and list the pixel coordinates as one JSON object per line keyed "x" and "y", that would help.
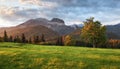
{"x": 68, "y": 41}
{"x": 5, "y": 37}
{"x": 113, "y": 43}
{"x": 93, "y": 32}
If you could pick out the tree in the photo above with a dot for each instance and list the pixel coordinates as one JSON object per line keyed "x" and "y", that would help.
{"x": 93, "y": 32}
{"x": 23, "y": 40}
{"x": 59, "y": 41}
{"x": 113, "y": 43}
{"x": 68, "y": 41}
{"x": 1, "y": 39}
{"x": 17, "y": 39}
{"x": 5, "y": 36}
{"x": 10, "y": 39}
{"x": 36, "y": 39}
{"x": 30, "y": 40}
{"x": 42, "y": 38}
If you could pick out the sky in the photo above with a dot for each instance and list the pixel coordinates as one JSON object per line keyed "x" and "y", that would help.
{"x": 14, "y": 12}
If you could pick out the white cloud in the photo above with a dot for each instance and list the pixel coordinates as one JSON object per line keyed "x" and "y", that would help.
{"x": 5, "y": 23}
{"x": 45, "y": 4}
{"x": 18, "y": 11}
{"x": 74, "y": 22}
{"x": 6, "y": 10}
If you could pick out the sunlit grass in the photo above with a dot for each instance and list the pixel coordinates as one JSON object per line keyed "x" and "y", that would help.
{"x": 29, "y": 56}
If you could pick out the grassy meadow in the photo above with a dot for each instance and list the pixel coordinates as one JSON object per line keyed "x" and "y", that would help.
{"x": 29, "y": 56}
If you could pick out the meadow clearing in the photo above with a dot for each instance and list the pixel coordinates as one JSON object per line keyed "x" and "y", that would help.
{"x": 30, "y": 56}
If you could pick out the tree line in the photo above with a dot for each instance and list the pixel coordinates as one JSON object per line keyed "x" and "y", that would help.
{"x": 22, "y": 38}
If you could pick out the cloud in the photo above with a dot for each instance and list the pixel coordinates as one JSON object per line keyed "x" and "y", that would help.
{"x": 45, "y": 4}
{"x": 87, "y": 3}
{"x": 19, "y": 14}
{"x": 72, "y": 11}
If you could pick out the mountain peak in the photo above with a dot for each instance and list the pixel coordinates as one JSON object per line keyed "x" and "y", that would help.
{"x": 58, "y": 20}
{"x": 42, "y": 19}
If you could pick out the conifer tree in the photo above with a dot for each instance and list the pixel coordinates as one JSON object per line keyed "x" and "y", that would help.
{"x": 42, "y": 38}
{"x": 10, "y": 39}
{"x": 17, "y": 39}
{"x": 1, "y": 39}
{"x": 23, "y": 40}
{"x": 59, "y": 41}
{"x": 36, "y": 39}
{"x": 5, "y": 36}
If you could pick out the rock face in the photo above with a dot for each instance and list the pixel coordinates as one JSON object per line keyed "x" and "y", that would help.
{"x": 57, "y": 21}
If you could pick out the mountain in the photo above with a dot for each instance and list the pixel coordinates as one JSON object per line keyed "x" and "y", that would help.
{"x": 113, "y": 31}
{"x": 33, "y": 27}
{"x": 55, "y": 24}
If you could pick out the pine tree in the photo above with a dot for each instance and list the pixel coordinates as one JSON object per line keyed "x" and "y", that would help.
{"x": 5, "y": 36}
{"x": 23, "y": 40}
{"x": 59, "y": 41}
{"x": 1, "y": 39}
{"x": 42, "y": 38}
{"x": 10, "y": 39}
{"x": 17, "y": 39}
{"x": 93, "y": 32}
{"x": 36, "y": 39}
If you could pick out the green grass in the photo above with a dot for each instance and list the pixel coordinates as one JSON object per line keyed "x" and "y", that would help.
{"x": 29, "y": 56}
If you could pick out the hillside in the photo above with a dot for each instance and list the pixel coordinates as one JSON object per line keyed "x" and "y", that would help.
{"x": 28, "y": 56}
{"x": 30, "y": 31}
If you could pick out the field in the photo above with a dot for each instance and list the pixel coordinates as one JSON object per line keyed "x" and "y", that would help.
{"x": 29, "y": 56}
